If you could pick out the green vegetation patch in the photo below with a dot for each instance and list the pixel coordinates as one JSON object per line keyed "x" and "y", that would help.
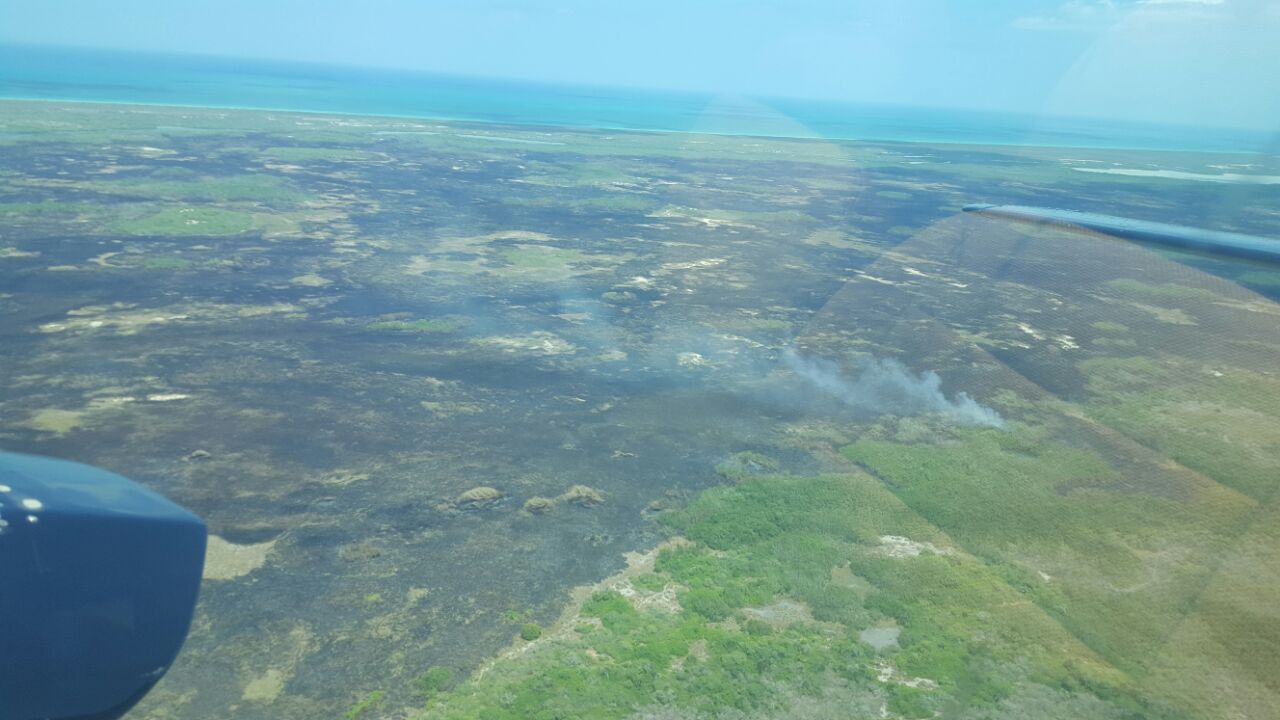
{"x": 313, "y": 154}
{"x": 1115, "y": 567}
{"x": 547, "y": 263}
{"x": 541, "y": 257}
{"x": 840, "y": 239}
{"x": 1224, "y": 424}
{"x": 1107, "y": 326}
{"x": 778, "y": 579}
{"x": 44, "y": 210}
{"x": 187, "y": 221}
{"x": 164, "y": 185}
{"x": 618, "y": 202}
{"x": 580, "y": 174}
{"x": 372, "y": 701}
{"x": 638, "y": 660}
{"x": 167, "y": 263}
{"x": 435, "y": 680}
{"x": 604, "y": 202}
{"x": 744, "y": 464}
{"x": 1167, "y": 292}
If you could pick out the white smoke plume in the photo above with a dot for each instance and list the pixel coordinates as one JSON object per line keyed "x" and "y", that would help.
{"x": 887, "y": 387}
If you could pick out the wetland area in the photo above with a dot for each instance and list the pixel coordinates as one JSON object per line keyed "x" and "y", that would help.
{"x": 531, "y": 422}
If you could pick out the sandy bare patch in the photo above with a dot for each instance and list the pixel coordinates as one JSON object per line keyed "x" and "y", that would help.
{"x": 637, "y": 564}
{"x": 125, "y": 319}
{"x": 537, "y": 343}
{"x": 54, "y": 420}
{"x": 671, "y": 267}
{"x": 1173, "y": 316}
{"x": 290, "y": 650}
{"x": 310, "y": 280}
{"x": 691, "y": 359}
{"x": 887, "y": 673}
{"x": 228, "y": 561}
{"x": 897, "y": 546}
{"x": 781, "y": 613}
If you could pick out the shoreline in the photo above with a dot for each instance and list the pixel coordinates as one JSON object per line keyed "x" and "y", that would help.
{"x": 623, "y": 129}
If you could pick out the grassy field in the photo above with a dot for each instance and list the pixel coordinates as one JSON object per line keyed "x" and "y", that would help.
{"x": 779, "y": 577}
{"x": 183, "y": 221}
{"x": 1025, "y": 571}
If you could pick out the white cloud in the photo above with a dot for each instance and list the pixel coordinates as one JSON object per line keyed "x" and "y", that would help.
{"x": 1096, "y": 15}
{"x": 1076, "y": 15}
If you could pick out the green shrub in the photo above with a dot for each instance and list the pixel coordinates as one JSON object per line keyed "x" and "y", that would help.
{"x": 368, "y": 702}
{"x": 909, "y": 702}
{"x": 649, "y": 582}
{"x": 706, "y": 602}
{"x": 612, "y": 609}
{"x": 434, "y": 680}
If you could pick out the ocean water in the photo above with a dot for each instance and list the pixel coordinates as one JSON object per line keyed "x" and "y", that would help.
{"x": 28, "y": 72}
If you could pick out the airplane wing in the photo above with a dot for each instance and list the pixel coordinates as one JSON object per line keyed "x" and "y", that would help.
{"x": 1177, "y": 237}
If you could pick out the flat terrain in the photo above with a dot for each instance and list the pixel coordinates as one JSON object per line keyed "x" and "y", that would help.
{"x": 429, "y": 383}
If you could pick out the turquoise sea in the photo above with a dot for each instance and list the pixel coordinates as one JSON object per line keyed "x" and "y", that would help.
{"x": 28, "y": 72}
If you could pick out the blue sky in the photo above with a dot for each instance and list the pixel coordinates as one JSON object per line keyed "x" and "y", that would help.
{"x": 1214, "y": 62}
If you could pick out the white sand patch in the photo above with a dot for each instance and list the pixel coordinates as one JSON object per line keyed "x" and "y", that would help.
{"x": 125, "y": 319}
{"x": 886, "y": 672}
{"x": 228, "y": 561}
{"x": 55, "y": 420}
{"x": 500, "y": 138}
{"x": 310, "y": 280}
{"x": 663, "y": 600}
{"x": 897, "y": 546}
{"x": 110, "y": 401}
{"x": 1236, "y": 178}
{"x": 671, "y": 267}
{"x": 537, "y": 343}
{"x": 639, "y": 281}
{"x": 864, "y": 276}
{"x": 1173, "y": 316}
{"x": 1031, "y": 331}
{"x": 691, "y": 359}
{"x": 153, "y": 152}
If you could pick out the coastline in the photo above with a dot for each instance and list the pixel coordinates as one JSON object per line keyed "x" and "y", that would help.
{"x": 619, "y": 128}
